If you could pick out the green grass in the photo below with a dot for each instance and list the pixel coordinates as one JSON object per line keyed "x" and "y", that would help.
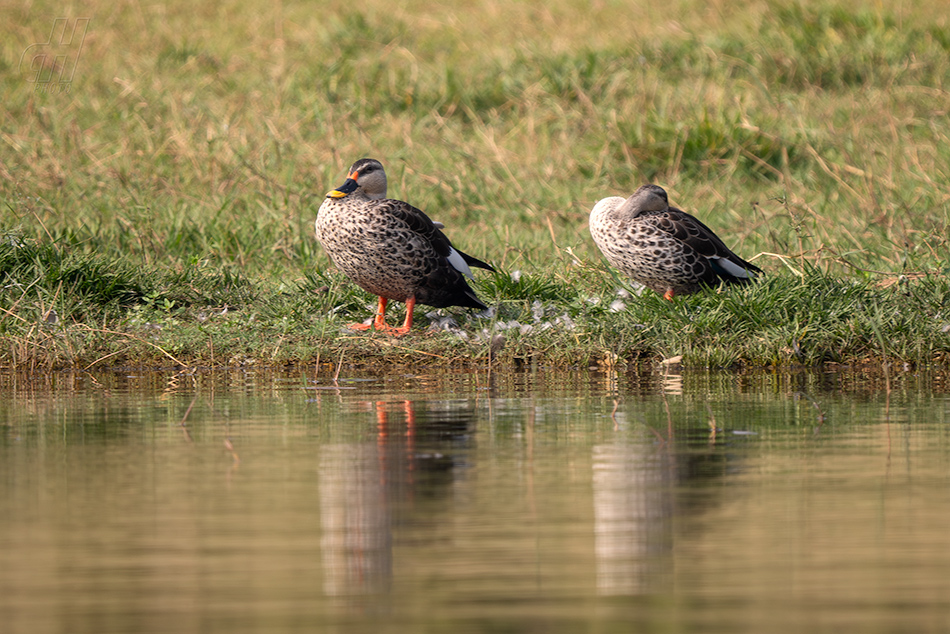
{"x": 163, "y": 207}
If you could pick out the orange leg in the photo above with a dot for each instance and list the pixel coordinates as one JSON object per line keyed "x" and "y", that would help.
{"x": 379, "y": 322}
{"x": 668, "y": 295}
{"x": 407, "y": 324}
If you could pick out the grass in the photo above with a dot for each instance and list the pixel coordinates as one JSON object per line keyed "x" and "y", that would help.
{"x": 160, "y": 210}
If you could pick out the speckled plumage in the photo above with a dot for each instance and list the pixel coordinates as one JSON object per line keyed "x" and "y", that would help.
{"x": 662, "y": 247}
{"x": 390, "y": 248}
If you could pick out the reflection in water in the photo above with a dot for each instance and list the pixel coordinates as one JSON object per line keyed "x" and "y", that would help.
{"x": 357, "y": 533}
{"x": 633, "y": 511}
{"x": 365, "y": 486}
{"x": 636, "y": 494}
{"x": 404, "y": 504}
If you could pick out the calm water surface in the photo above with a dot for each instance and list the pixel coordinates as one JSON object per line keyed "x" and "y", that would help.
{"x": 542, "y": 502}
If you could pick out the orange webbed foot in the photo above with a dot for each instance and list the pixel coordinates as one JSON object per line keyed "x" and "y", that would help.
{"x": 392, "y": 330}
{"x": 406, "y": 325}
{"x": 379, "y": 322}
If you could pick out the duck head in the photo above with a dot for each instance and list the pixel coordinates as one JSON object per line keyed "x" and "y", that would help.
{"x": 365, "y": 174}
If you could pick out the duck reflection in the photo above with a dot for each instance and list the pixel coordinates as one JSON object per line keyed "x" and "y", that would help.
{"x": 633, "y": 511}
{"x": 640, "y": 483}
{"x": 368, "y": 488}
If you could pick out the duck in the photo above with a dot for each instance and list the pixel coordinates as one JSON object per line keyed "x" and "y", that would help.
{"x": 662, "y": 247}
{"x": 391, "y": 249}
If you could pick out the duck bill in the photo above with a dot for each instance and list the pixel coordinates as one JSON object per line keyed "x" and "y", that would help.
{"x": 348, "y": 187}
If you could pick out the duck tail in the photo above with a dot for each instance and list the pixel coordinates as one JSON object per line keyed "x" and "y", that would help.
{"x": 736, "y": 272}
{"x": 473, "y": 261}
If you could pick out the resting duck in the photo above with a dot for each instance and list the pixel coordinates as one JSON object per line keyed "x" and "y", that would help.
{"x": 662, "y": 247}
{"x": 391, "y": 249}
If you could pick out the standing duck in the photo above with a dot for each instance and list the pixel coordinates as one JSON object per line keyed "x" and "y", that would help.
{"x": 391, "y": 249}
{"x": 662, "y": 247}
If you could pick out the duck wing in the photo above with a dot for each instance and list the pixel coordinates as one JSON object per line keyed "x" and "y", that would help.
{"x": 438, "y": 270}
{"x": 693, "y": 232}
{"x": 420, "y": 224}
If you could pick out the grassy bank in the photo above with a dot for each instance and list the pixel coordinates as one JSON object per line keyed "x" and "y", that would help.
{"x": 158, "y": 209}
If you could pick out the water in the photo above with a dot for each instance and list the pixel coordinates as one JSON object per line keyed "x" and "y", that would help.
{"x": 248, "y": 502}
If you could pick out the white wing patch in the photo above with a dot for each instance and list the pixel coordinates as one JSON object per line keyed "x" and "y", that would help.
{"x": 459, "y": 264}
{"x": 732, "y": 268}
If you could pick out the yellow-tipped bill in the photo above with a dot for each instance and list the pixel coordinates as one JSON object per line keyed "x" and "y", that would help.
{"x": 348, "y": 187}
